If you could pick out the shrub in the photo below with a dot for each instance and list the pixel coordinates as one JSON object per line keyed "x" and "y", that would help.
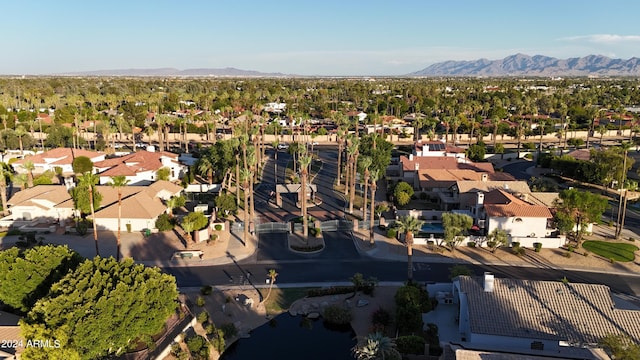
{"x": 392, "y": 233}
{"x": 12, "y": 232}
{"x": 612, "y": 260}
{"x": 471, "y": 244}
{"x": 164, "y": 222}
{"x": 423, "y": 196}
{"x": 537, "y": 246}
{"x": 203, "y": 317}
{"x": 570, "y": 248}
{"x": 528, "y": 156}
{"x": 411, "y": 344}
{"x": 307, "y": 248}
{"x": 229, "y": 330}
{"x": 206, "y": 290}
{"x": 218, "y": 340}
{"x": 198, "y": 345}
{"x": 218, "y": 227}
{"x": 518, "y": 250}
{"x": 200, "y": 301}
{"x": 210, "y": 329}
{"x": 337, "y": 315}
{"x": 631, "y": 239}
{"x": 381, "y": 317}
{"x": 567, "y": 255}
{"x": 515, "y": 244}
{"x": 334, "y": 290}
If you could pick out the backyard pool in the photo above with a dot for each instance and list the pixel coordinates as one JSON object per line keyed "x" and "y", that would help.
{"x": 294, "y": 337}
{"x": 432, "y": 228}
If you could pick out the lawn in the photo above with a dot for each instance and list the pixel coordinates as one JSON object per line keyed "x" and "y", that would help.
{"x": 281, "y": 299}
{"x": 621, "y": 252}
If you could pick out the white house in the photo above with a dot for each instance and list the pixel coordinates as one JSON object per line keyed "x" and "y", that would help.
{"x": 39, "y": 205}
{"x": 524, "y": 222}
{"x": 141, "y": 206}
{"x": 60, "y": 157}
{"x": 540, "y": 317}
{"x": 140, "y": 167}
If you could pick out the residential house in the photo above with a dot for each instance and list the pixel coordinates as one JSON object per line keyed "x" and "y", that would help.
{"x": 60, "y": 157}
{"x": 10, "y": 335}
{"x": 460, "y": 194}
{"x": 410, "y": 167}
{"x": 42, "y": 204}
{"x": 437, "y": 149}
{"x": 563, "y": 320}
{"x": 141, "y": 206}
{"x": 140, "y": 167}
{"x": 524, "y": 222}
{"x": 51, "y": 205}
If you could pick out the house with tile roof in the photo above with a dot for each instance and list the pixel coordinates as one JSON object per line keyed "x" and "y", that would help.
{"x": 524, "y": 222}
{"x": 52, "y": 205}
{"x": 60, "y": 157}
{"x": 42, "y": 204}
{"x": 461, "y": 193}
{"x": 540, "y": 317}
{"x": 140, "y": 167}
{"x": 141, "y": 205}
{"x": 410, "y": 167}
{"x": 10, "y": 335}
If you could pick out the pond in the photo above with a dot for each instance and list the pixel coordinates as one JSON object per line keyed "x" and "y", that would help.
{"x": 294, "y": 337}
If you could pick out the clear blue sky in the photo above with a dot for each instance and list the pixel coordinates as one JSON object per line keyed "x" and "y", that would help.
{"x": 326, "y": 37}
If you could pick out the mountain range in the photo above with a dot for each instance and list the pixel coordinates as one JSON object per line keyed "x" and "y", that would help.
{"x": 538, "y": 65}
{"x": 229, "y": 71}
{"x": 513, "y": 65}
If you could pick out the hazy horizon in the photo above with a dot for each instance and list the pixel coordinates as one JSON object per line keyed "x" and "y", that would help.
{"x": 348, "y": 38}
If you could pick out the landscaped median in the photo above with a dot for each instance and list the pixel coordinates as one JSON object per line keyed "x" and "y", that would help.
{"x": 305, "y": 245}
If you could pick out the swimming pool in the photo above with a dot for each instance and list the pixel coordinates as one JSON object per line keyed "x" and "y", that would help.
{"x": 433, "y": 228}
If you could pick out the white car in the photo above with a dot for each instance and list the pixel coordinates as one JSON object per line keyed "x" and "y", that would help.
{"x": 283, "y": 146}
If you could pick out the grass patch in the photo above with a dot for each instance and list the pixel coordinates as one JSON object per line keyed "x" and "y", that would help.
{"x": 610, "y": 250}
{"x": 281, "y": 299}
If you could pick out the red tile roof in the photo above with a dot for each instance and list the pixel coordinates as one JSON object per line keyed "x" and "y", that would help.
{"x": 443, "y": 162}
{"x": 66, "y": 156}
{"x": 131, "y": 164}
{"x": 498, "y": 203}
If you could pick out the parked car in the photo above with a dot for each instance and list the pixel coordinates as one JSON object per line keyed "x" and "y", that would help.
{"x": 283, "y": 146}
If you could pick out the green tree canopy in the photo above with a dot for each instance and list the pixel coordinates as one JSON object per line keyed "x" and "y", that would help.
{"x": 194, "y": 221}
{"x": 577, "y": 209}
{"x": 403, "y": 192}
{"x": 100, "y": 309}
{"x": 82, "y": 164}
{"x": 226, "y": 204}
{"x": 380, "y": 156}
{"x": 80, "y": 194}
{"x": 455, "y": 228}
{"x": 163, "y": 173}
{"x": 26, "y": 276}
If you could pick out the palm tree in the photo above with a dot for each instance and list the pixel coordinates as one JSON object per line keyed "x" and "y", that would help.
{"x": 495, "y": 121}
{"x": 90, "y": 180}
{"x": 3, "y": 189}
{"x": 376, "y": 346}
{"x": 602, "y": 130}
{"x": 245, "y": 177}
{"x": 29, "y": 167}
{"x": 340, "y": 135}
{"x": 272, "y": 274}
{"x": 275, "y": 145}
{"x": 373, "y": 177}
{"x": 304, "y": 174}
{"x": 118, "y": 182}
{"x": 20, "y": 132}
{"x": 206, "y": 166}
{"x": 625, "y": 146}
{"x": 365, "y": 163}
{"x": 409, "y": 225}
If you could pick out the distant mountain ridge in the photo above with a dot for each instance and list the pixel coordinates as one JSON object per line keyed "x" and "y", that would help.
{"x": 538, "y": 65}
{"x": 229, "y": 71}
